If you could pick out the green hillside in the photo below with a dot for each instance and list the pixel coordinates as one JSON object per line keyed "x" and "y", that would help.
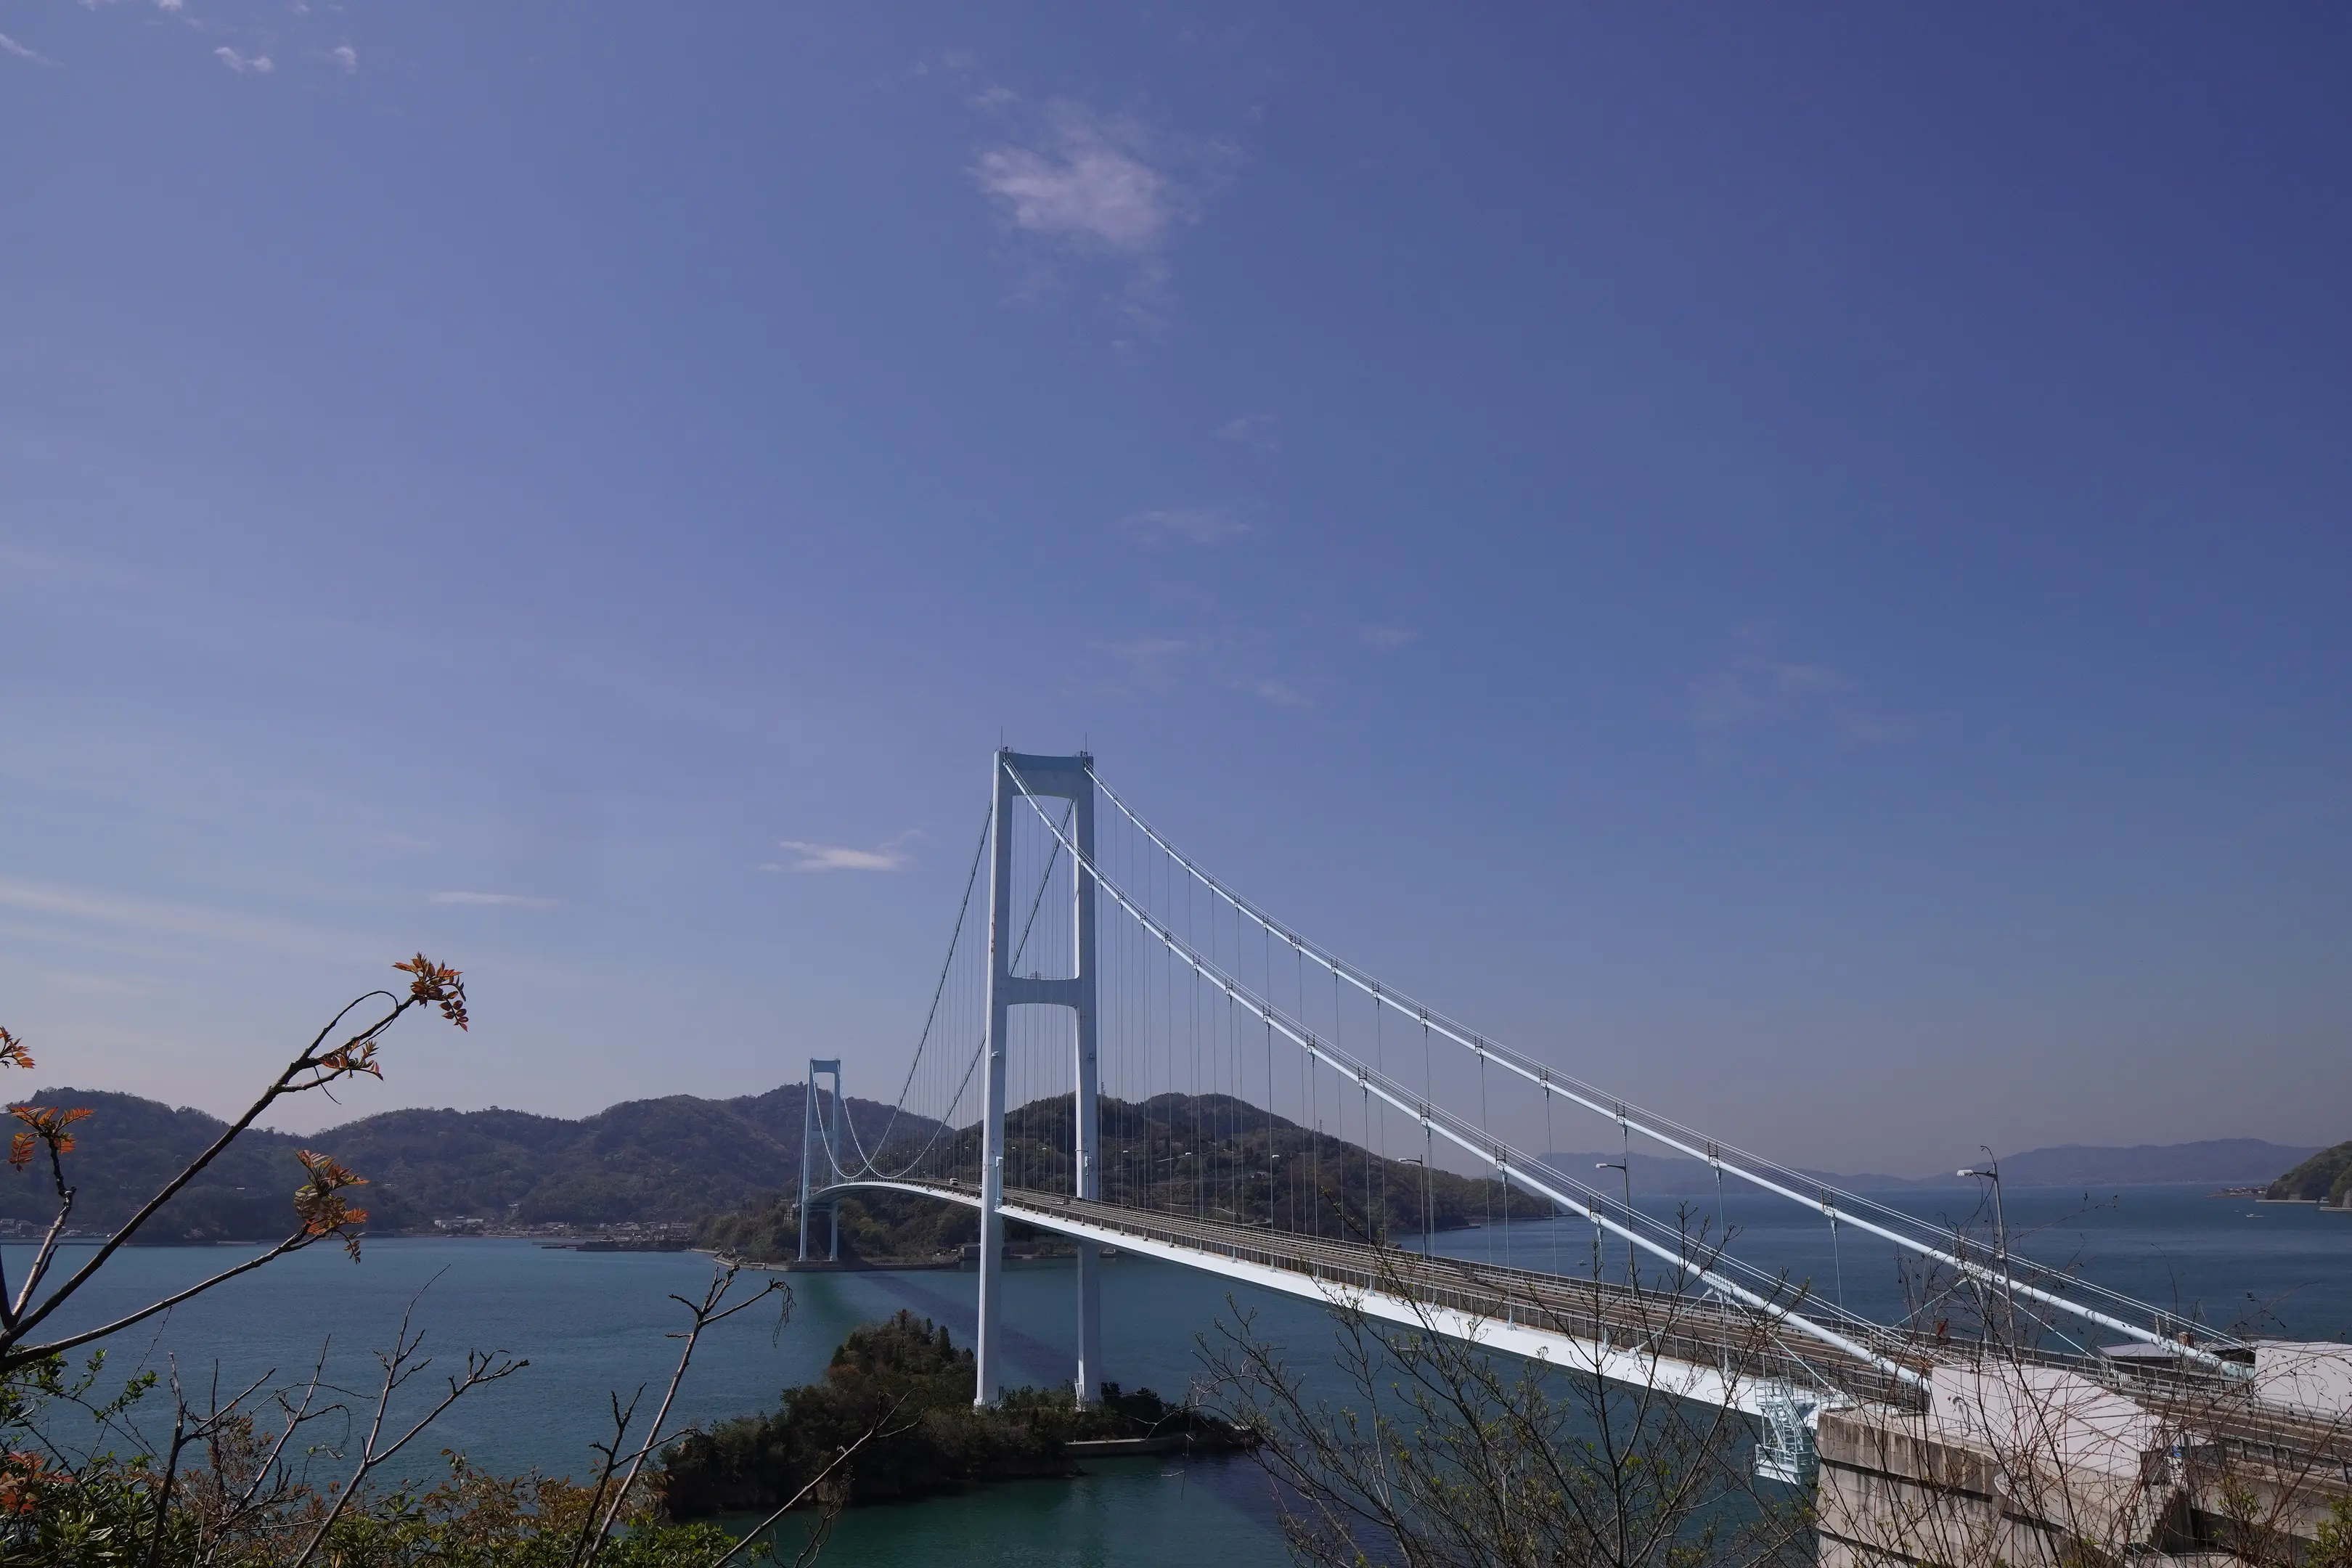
{"x": 130, "y": 1147}
{"x": 2326, "y": 1177}
{"x": 684, "y": 1159}
{"x": 1203, "y": 1156}
{"x": 650, "y": 1160}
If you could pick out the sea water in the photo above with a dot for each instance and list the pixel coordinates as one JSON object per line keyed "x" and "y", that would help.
{"x": 593, "y": 1325}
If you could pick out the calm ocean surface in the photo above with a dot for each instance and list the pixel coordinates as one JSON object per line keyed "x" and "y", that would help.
{"x": 593, "y": 1323}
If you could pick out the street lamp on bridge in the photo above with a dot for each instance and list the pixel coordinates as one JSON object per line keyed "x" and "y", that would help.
{"x": 1624, "y": 1168}
{"x": 1990, "y": 1172}
{"x": 1428, "y": 1219}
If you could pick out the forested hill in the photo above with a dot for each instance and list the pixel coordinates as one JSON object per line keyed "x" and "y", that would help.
{"x": 2326, "y": 1177}
{"x": 1211, "y": 1155}
{"x": 645, "y": 1160}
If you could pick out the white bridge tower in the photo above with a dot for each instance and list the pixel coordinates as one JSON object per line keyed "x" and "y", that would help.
{"x": 1071, "y": 779}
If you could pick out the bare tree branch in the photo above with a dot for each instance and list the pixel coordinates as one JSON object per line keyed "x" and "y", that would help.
{"x": 400, "y": 1365}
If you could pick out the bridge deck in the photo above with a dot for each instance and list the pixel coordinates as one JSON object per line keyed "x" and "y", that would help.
{"x": 1586, "y": 1319}
{"x": 1603, "y": 1326}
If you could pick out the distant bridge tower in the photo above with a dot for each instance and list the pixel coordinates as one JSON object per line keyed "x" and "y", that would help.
{"x": 825, "y": 1130}
{"x": 1071, "y": 779}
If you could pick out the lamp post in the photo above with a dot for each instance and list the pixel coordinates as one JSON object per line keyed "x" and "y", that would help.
{"x": 1625, "y": 1169}
{"x": 1428, "y": 1223}
{"x": 1990, "y": 1172}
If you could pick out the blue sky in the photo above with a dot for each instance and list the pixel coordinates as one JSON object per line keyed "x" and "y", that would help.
{"x": 1791, "y": 561}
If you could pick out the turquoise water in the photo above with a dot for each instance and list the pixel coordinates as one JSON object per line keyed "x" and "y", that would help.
{"x": 591, "y": 1323}
{"x": 2281, "y": 1270}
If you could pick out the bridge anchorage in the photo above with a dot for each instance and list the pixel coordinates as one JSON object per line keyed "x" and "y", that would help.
{"x": 1257, "y": 1084}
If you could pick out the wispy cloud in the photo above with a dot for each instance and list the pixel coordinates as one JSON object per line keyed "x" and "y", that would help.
{"x": 1386, "y": 638}
{"x": 505, "y": 900}
{"x": 1262, "y": 431}
{"x": 1753, "y": 690}
{"x": 122, "y": 913}
{"x": 891, "y": 855}
{"x": 1086, "y": 184}
{"x": 23, "y": 52}
{"x": 1184, "y": 524}
{"x": 254, "y": 64}
{"x": 1280, "y": 693}
{"x": 1877, "y": 728}
{"x": 1149, "y": 662}
{"x": 84, "y": 983}
{"x": 346, "y": 56}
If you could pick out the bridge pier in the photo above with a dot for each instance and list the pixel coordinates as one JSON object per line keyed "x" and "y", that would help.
{"x": 2042, "y": 1467}
{"x": 1072, "y": 779}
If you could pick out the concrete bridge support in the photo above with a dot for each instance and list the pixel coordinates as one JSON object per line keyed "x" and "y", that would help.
{"x": 2042, "y": 1467}
{"x": 1072, "y": 779}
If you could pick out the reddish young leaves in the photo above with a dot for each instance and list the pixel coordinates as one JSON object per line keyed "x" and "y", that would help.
{"x": 23, "y": 1475}
{"x": 439, "y": 984}
{"x": 319, "y": 1203}
{"x": 351, "y": 1057}
{"x": 47, "y": 1125}
{"x": 12, "y": 1051}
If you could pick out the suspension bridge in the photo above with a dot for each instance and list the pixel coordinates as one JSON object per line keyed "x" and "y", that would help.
{"x": 1124, "y": 1052}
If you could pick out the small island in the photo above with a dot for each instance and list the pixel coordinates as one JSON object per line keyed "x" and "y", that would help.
{"x": 936, "y": 1440}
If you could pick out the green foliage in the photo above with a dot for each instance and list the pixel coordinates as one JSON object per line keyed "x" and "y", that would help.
{"x": 2331, "y": 1545}
{"x": 1231, "y": 1160}
{"x": 656, "y": 1160}
{"x": 104, "y": 1516}
{"x": 906, "y": 1375}
{"x": 2326, "y": 1177}
{"x": 131, "y": 1147}
{"x": 874, "y": 1226}
{"x": 1205, "y": 1153}
{"x": 70, "y": 1504}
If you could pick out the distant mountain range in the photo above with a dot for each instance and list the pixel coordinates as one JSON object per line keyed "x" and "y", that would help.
{"x": 646, "y": 1160}
{"x": 2220, "y": 1161}
{"x": 682, "y": 1158}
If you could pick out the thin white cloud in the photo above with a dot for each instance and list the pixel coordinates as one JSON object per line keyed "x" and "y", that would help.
{"x": 87, "y": 985}
{"x": 1086, "y": 184}
{"x": 170, "y": 5}
{"x": 120, "y": 913}
{"x": 512, "y": 901}
{"x": 255, "y": 65}
{"x": 1877, "y": 728}
{"x": 346, "y": 56}
{"x": 1149, "y": 662}
{"x": 1753, "y": 690}
{"x": 23, "y": 52}
{"x": 889, "y": 855}
{"x": 1186, "y": 524}
{"x": 1261, "y": 431}
{"x": 1105, "y": 188}
{"x": 1280, "y": 693}
{"x": 1385, "y": 637}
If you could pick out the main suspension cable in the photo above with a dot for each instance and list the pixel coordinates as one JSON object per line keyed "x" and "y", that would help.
{"x": 1476, "y": 1142}
{"x": 1693, "y": 1144}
